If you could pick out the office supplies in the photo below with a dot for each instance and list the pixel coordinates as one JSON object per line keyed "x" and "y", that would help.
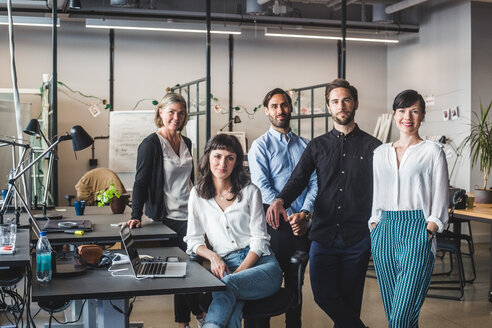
{"x": 149, "y": 269}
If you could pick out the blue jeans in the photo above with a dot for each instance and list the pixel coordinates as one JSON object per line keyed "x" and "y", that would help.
{"x": 337, "y": 279}
{"x": 262, "y": 280}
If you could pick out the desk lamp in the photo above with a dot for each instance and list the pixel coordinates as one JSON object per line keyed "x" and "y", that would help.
{"x": 235, "y": 120}
{"x": 33, "y": 129}
{"x": 80, "y": 140}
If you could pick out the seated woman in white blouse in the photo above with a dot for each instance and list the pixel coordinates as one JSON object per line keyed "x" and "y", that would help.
{"x": 228, "y": 209}
{"x": 410, "y": 204}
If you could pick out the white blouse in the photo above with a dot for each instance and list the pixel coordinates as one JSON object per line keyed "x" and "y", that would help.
{"x": 177, "y": 183}
{"x": 421, "y": 182}
{"x": 242, "y": 224}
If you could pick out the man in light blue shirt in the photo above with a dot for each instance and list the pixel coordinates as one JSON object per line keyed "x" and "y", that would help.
{"x": 272, "y": 158}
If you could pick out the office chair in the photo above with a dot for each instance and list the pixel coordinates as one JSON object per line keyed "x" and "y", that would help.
{"x": 280, "y": 302}
{"x": 450, "y": 242}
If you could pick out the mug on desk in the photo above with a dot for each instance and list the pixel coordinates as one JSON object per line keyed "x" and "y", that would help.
{"x": 79, "y": 207}
{"x": 470, "y": 202}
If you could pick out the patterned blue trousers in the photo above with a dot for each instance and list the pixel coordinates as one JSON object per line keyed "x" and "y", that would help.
{"x": 401, "y": 251}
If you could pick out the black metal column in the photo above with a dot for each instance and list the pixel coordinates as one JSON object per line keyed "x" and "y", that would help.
{"x": 54, "y": 94}
{"x": 339, "y": 58}
{"x": 208, "y": 117}
{"x": 111, "y": 69}
{"x": 231, "y": 66}
{"x": 343, "y": 57}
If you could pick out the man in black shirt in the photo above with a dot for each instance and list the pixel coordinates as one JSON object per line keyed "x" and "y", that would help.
{"x": 341, "y": 245}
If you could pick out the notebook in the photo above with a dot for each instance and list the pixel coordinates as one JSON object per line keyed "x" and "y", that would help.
{"x": 149, "y": 269}
{"x": 62, "y": 225}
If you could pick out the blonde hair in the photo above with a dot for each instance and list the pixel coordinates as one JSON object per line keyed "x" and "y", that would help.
{"x": 166, "y": 101}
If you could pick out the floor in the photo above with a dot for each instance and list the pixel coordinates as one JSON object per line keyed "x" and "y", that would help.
{"x": 473, "y": 310}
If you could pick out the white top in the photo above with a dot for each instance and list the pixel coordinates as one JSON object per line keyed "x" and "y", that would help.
{"x": 421, "y": 182}
{"x": 177, "y": 183}
{"x": 241, "y": 224}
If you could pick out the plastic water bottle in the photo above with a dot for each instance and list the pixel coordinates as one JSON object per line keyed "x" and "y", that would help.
{"x": 43, "y": 259}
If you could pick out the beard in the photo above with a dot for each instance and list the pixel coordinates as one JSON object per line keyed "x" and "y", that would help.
{"x": 282, "y": 125}
{"x": 348, "y": 119}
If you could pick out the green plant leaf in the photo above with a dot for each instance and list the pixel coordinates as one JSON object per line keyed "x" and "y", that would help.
{"x": 480, "y": 141}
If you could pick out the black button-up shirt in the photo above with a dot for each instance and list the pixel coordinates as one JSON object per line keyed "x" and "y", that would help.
{"x": 343, "y": 164}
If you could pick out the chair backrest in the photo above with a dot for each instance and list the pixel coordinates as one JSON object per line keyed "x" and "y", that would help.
{"x": 95, "y": 180}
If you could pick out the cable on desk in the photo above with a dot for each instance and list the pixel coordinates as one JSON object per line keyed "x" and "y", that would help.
{"x": 10, "y": 300}
{"x": 130, "y": 307}
{"x": 69, "y": 322}
{"x": 112, "y": 271}
{"x": 29, "y": 317}
{"x": 13, "y": 306}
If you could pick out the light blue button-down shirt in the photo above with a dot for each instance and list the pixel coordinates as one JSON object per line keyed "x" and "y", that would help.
{"x": 271, "y": 160}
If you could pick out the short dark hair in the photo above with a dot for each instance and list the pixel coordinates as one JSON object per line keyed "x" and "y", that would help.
{"x": 341, "y": 83}
{"x": 407, "y": 98}
{"x": 277, "y": 91}
{"x": 239, "y": 176}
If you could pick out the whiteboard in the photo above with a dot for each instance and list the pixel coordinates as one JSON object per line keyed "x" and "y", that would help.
{"x": 127, "y": 129}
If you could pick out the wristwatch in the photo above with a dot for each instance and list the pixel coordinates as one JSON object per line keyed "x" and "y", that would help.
{"x": 309, "y": 215}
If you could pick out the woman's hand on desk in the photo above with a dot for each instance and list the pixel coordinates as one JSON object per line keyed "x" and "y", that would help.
{"x": 132, "y": 223}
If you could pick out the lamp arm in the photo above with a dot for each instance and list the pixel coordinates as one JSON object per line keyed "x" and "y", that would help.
{"x": 32, "y": 220}
{"x": 53, "y": 145}
{"x": 44, "y": 137}
{"x": 222, "y": 128}
{"x": 12, "y": 143}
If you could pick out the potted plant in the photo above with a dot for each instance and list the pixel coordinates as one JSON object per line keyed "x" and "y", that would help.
{"x": 112, "y": 197}
{"x": 480, "y": 143}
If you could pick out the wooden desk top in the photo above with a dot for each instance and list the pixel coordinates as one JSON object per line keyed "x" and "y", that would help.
{"x": 480, "y": 212}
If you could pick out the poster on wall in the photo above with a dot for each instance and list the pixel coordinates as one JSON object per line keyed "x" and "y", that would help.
{"x": 127, "y": 129}
{"x": 454, "y": 113}
{"x": 445, "y": 114}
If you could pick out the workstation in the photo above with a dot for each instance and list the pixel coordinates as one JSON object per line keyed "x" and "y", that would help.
{"x": 442, "y": 51}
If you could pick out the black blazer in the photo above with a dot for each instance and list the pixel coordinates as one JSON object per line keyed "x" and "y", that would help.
{"x": 147, "y": 188}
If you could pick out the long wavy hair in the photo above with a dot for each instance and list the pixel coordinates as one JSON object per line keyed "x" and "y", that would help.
{"x": 239, "y": 176}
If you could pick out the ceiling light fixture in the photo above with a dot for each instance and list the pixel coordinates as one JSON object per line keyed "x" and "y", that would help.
{"x": 29, "y": 21}
{"x": 302, "y": 34}
{"x": 159, "y": 26}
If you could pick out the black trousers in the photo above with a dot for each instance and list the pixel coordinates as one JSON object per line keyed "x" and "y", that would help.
{"x": 284, "y": 244}
{"x": 338, "y": 274}
{"x": 183, "y": 303}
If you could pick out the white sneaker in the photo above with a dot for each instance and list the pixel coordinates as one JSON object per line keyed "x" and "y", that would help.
{"x": 200, "y": 321}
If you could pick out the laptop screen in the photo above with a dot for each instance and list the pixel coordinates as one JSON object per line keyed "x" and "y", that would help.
{"x": 128, "y": 242}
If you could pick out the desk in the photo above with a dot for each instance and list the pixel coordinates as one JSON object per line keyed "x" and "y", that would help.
{"x": 13, "y": 267}
{"x": 21, "y": 258}
{"x": 103, "y": 232}
{"x": 99, "y": 284}
{"x": 480, "y": 213}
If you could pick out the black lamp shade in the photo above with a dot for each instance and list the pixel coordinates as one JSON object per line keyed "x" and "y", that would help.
{"x": 80, "y": 138}
{"x": 237, "y": 119}
{"x": 32, "y": 127}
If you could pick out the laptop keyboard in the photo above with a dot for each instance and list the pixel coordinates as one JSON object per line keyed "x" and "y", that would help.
{"x": 152, "y": 268}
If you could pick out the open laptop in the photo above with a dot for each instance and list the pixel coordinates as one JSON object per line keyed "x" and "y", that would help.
{"x": 149, "y": 269}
